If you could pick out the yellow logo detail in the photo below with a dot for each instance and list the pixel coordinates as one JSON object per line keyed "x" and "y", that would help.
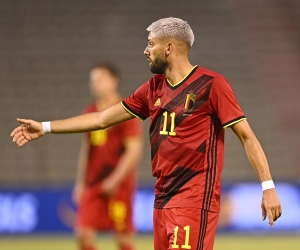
{"x": 98, "y": 137}
{"x": 157, "y": 103}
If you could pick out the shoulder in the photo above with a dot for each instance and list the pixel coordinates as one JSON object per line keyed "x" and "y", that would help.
{"x": 217, "y": 78}
{"x": 156, "y": 81}
{"x": 208, "y": 72}
{"x": 151, "y": 85}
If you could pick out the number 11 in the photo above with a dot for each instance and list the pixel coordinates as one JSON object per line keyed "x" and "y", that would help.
{"x": 187, "y": 238}
{"x": 164, "y": 131}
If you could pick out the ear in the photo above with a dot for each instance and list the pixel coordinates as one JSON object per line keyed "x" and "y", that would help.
{"x": 169, "y": 48}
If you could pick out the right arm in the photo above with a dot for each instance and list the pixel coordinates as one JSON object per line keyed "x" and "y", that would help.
{"x": 31, "y": 130}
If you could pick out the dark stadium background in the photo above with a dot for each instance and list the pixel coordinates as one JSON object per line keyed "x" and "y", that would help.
{"x": 48, "y": 47}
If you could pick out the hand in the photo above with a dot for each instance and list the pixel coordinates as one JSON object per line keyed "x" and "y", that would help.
{"x": 108, "y": 187}
{"x": 28, "y": 131}
{"x": 271, "y": 206}
{"x": 77, "y": 193}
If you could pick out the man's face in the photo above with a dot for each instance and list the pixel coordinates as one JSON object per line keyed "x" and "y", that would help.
{"x": 102, "y": 82}
{"x": 155, "y": 52}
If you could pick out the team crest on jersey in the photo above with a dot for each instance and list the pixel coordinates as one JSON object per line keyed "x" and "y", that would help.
{"x": 189, "y": 102}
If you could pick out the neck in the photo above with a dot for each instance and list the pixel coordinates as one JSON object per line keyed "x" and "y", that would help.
{"x": 177, "y": 71}
{"x": 106, "y": 101}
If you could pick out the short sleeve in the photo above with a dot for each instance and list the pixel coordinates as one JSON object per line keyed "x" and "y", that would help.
{"x": 137, "y": 103}
{"x": 223, "y": 103}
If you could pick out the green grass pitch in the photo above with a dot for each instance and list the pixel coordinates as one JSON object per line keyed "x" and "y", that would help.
{"x": 228, "y": 242}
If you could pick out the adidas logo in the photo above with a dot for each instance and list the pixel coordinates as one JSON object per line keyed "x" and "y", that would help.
{"x": 157, "y": 103}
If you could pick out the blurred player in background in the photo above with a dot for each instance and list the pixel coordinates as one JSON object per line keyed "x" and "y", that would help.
{"x": 189, "y": 108}
{"x": 106, "y": 176}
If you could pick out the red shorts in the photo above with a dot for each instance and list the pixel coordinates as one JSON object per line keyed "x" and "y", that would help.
{"x": 184, "y": 228}
{"x": 101, "y": 214}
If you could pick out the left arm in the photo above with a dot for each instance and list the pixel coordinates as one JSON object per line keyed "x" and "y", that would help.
{"x": 271, "y": 206}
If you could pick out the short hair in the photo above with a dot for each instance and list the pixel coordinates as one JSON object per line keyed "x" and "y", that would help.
{"x": 173, "y": 27}
{"x": 113, "y": 70}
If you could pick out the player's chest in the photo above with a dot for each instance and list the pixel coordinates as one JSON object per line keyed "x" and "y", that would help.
{"x": 181, "y": 102}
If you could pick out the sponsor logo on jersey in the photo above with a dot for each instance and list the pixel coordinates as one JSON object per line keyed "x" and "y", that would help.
{"x": 98, "y": 137}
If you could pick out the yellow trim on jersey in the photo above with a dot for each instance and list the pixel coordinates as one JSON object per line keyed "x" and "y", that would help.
{"x": 131, "y": 112}
{"x": 174, "y": 85}
{"x": 239, "y": 120}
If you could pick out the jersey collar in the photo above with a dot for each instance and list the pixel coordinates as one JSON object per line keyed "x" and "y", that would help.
{"x": 174, "y": 86}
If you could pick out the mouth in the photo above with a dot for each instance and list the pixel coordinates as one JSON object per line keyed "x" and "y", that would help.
{"x": 149, "y": 61}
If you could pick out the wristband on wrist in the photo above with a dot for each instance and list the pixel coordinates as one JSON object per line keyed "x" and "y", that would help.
{"x": 46, "y": 127}
{"x": 267, "y": 185}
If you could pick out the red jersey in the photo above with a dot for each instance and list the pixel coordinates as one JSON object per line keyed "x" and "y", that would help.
{"x": 105, "y": 149}
{"x": 187, "y": 135}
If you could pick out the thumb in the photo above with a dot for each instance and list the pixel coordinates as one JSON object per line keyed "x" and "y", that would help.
{"x": 24, "y": 121}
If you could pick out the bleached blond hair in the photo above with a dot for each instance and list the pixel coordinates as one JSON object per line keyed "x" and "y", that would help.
{"x": 173, "y": 27}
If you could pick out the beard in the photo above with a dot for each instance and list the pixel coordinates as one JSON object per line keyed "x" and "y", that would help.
{"x": 159, "y": 65}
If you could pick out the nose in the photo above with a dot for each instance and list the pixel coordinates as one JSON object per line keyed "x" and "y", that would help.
{"x": 146, "y": 53}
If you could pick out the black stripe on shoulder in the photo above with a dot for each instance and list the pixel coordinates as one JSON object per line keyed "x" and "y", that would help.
{"x": 128, "y": 109}
{"x": 227, "y": 124}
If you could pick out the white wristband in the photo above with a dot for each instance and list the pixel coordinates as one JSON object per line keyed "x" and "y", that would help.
{"x": 267, "y": 185}
{"x": 46, "y": 127}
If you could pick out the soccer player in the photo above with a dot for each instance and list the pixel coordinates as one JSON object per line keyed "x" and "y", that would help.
{"x": 106, "y": 172}
{"x": 189, "y": 108}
